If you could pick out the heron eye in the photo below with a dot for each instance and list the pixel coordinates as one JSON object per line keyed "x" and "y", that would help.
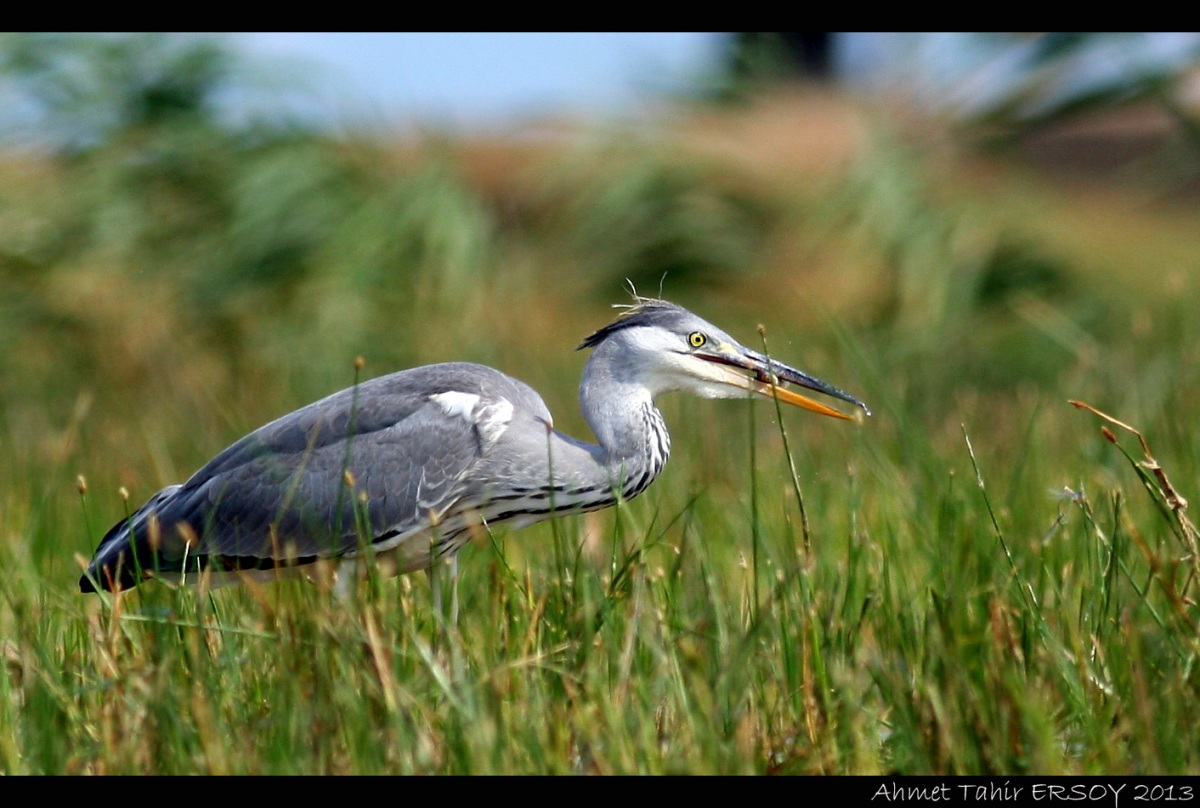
{"x": 696, "y": 339}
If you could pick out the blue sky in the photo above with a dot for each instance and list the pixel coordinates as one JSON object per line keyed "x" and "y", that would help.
{"x": 480, "y": 79}
{"x": 471, "y": 80}
{"x": 455, "y": 82}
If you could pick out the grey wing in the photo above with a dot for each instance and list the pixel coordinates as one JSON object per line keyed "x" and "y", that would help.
{"x": 329, "y": 500}
{"x": 354, "y": 468}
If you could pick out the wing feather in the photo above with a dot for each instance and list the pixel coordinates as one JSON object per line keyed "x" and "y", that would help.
{"x": 283, "y": 493}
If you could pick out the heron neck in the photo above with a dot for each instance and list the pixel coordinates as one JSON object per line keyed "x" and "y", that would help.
{"x": 632, "y": 436}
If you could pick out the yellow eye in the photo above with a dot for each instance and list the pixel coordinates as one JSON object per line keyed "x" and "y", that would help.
{"x": 696, "y": 339}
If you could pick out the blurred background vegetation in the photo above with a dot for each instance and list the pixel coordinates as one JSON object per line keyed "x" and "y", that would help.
{"x": 160, "y": 256}
{"x": 171, "y": 278}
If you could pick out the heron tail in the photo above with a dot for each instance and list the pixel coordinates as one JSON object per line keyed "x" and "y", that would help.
{"x": 129, "y": 549}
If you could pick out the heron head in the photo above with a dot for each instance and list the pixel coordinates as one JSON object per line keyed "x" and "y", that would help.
{"x": 665, "y": 347}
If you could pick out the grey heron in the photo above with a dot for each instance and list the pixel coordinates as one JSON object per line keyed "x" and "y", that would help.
{"x": 400, "y": 469}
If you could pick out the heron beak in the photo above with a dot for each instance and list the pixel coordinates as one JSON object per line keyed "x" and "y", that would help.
{"x": 768, "y": 378}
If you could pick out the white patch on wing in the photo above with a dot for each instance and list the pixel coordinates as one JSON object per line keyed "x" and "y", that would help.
{"x": 453, "y": 402}
{"x": 493, "y": 419}
{"x": 490, "y": 417}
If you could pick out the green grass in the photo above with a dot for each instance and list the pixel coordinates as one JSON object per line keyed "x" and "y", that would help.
{"x": 690, "y": 632}
{"x": 974, "y": 581}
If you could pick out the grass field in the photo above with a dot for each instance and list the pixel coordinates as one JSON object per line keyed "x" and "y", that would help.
{"x": 975, "y": 580}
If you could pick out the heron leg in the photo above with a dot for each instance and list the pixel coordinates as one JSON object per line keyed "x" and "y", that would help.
{"x": 435, "y": 586}
{"x": 436, "y": 577}
{"x": 344, "y": 579}
{"x": 453, "y": 561}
